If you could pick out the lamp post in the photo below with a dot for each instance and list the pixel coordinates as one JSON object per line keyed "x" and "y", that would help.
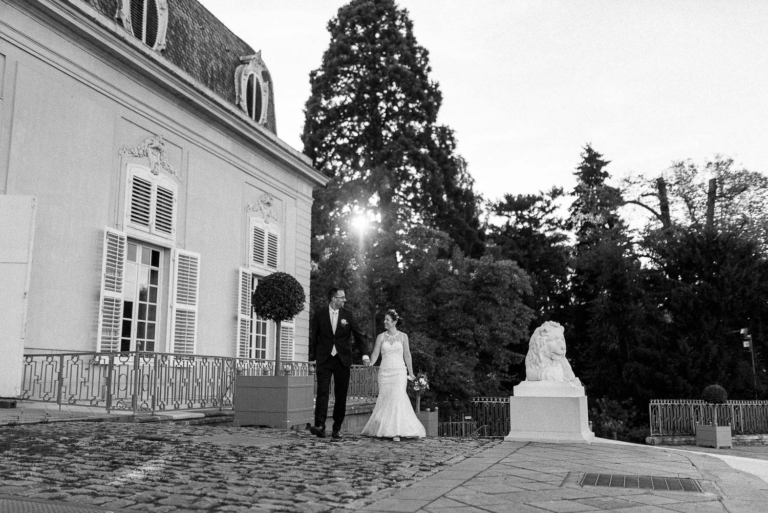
{"x": 747, "y": 340}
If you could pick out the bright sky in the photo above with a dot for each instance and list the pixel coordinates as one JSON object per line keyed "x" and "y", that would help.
{"x": 527, "y": 83}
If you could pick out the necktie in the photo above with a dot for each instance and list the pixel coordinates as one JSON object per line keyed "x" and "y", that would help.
{"x": 334, "y": 318}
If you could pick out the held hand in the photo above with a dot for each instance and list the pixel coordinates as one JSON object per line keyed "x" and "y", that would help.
{"x": 411, "y": 377}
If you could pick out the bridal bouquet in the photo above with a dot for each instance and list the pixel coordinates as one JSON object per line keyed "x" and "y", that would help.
{"x": 420, "y": 383}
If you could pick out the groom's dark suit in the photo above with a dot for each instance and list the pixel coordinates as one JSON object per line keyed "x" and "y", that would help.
{"x": 322, "y": 340}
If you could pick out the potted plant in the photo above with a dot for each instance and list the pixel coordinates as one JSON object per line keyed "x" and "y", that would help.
{"x": 427, "y": 418}
{"x": 712, "y": 435}
{"x": 282, "y": 400}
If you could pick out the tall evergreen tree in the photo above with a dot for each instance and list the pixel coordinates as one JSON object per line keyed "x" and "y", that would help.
{"x": 608, "y": 308}
{"x": 533, "y": 236}
{"x": 371, "y": 128}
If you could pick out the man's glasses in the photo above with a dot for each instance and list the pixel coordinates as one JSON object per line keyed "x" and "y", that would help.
{"x": 340, "y": 297}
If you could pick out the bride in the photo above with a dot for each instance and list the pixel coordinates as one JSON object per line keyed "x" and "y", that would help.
{"x": 393, "y": 415}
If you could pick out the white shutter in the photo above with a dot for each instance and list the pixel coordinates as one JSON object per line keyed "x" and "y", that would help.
{"x": 258, "y": 245}
{"x": 286, "y": 341}
{"x": 141, "y": 201}
{"x": 272, "y": 247}
{"x": 164, "y": 221}
{"x": 111, "y": 305}
{"x": 186, "y": 272}
{"x": 244, "y": 315}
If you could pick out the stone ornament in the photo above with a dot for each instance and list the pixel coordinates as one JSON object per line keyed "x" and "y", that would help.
{"x": 153, "y": 148}
{"x": 546, "y": 360}
{"x": 265, "y": 207}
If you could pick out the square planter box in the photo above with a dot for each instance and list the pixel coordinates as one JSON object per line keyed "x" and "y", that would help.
{"x": 429, "y": 421}
{"x": 275, "y": 401}
{"x": 713, "y": 436}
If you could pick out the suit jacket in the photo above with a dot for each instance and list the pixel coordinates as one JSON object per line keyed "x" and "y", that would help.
{"x": 322, "y": 338}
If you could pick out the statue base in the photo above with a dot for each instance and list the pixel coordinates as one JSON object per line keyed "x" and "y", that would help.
{"x": 548, "y": 411}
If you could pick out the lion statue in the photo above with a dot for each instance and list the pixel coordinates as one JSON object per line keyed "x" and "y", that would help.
{"x": 545, "y": 360}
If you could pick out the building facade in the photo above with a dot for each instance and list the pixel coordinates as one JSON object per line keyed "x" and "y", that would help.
{"x": 143, "y": 188}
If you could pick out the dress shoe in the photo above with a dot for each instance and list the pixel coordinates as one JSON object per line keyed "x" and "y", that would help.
{"x": 336, "y": 435}
{"x": 320, "y": 433}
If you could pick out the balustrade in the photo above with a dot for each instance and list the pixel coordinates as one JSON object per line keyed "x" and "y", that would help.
{"x": 680, "y": 416}
{"x": 150, "y": 382}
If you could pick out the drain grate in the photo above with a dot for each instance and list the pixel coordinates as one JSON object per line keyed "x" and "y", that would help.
{"x": 674, "y": 484}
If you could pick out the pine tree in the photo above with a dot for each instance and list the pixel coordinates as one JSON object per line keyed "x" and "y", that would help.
{"x": 371, "y": 128}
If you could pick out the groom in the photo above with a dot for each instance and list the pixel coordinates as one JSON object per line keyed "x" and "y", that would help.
{"x": 330, "y": 345}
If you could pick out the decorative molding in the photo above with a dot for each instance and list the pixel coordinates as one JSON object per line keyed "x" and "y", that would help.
{"x": 253, "y": 65}
{"x": 266, "y": 202}
{"x": 153, "y": 148}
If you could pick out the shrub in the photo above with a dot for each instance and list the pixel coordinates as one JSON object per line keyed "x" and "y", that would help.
{"x": 715, "y": 394}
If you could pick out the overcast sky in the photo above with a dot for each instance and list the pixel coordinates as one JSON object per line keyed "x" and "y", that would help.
{"x": 527, "y": 83}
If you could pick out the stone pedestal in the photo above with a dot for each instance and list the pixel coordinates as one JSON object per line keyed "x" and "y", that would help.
{"x": 275, "y": 401}
{"x": 548, "y": 411}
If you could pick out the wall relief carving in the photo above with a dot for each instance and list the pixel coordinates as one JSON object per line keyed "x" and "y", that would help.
{"x": 266, "y": 207}
{"x": 153, "y": 148}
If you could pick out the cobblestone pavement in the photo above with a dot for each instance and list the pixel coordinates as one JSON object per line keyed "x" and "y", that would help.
{"x": 170, "y": 467}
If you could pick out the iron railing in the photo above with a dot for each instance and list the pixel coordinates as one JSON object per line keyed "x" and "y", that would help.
{"x": 144, "y": 381}
{"x": 680, "y": 416}
{"x": 487, "y": 416}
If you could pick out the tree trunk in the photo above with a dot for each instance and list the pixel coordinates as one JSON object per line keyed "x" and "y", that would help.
{"x": 277, "y": 349}
{"x": 711, "y": 193}
{"x": 666, "y": 220}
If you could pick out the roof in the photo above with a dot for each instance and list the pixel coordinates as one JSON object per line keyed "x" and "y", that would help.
{"x": 202, "y": 46}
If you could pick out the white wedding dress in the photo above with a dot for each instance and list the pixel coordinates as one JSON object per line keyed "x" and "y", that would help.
{"x": 393, "y": 414}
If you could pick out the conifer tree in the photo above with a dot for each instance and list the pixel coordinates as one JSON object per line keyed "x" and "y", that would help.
{"x": 371, "y": 127}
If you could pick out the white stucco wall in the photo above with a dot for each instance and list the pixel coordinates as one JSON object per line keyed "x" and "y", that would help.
{"x": 67, "y": 111}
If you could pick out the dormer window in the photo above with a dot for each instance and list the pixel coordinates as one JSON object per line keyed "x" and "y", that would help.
{"x": 253, "y": 85}
{"x": 147, "y": 20}
{"x": 254, "y": 98}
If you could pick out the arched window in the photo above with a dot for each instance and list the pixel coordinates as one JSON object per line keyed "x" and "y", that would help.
{"x": 147, "y": 20}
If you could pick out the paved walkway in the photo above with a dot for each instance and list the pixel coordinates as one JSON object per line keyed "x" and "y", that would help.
{"x": 171, "y": 466}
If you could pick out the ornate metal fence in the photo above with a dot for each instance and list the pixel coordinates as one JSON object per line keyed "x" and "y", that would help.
{"x": 680, "y": 416}
{"x": 487, "y": 416}
{"x": 141, "y": 381}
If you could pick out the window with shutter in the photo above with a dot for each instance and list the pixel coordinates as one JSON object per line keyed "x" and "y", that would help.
{"x": 184, "y": 303}
{"x": 151, "y": 203}
{"x": 111, "y": 311}
{"x": 244, "y": 315}
{"x": 265, "y": 245}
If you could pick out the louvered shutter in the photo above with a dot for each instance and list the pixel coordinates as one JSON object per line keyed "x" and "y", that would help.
{"x": 186, "y": 272}
{"x": 141, "y": 201}
{"x": 286, "y": 341}
{"x": 111, "y": 305}
{"x": 272, "y": 249}
{"x": 244, "y": 314}
{"x": 258, "y": 244}
{"x": 164, "y": 203}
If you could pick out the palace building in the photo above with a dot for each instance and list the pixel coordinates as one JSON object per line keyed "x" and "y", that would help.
{"x": 143, "y": 188}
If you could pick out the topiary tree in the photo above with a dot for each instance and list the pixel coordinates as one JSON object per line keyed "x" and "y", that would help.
{"x": 278, "y": 297}
{"x": 714, "y": 394}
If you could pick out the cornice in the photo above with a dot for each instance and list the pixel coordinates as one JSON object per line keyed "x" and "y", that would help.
{"x": 84, "y": 21}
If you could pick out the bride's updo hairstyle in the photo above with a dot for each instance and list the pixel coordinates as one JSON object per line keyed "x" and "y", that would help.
{"x": 394, "y": 315}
